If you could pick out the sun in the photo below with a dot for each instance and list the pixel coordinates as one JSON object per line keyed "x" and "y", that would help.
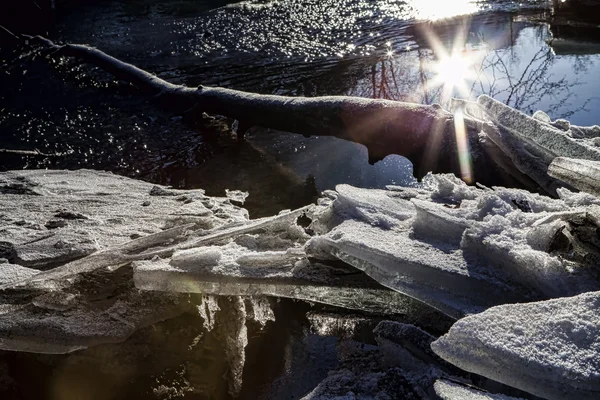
{"x": 454, "y": 69}
{"x": 455, "y": 65}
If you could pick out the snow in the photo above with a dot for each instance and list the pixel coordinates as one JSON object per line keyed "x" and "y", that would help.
{"x": 550, "y": 348}
{"x": 458, "y": 248}
{"x": 553, "y": 140}
{"x": 448, "y": 390}
{"x": 12, "y": 273}
{"x": 582, "y": 174}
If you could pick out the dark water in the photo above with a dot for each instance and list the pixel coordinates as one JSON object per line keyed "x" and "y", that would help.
{"x": 526, "y": 54}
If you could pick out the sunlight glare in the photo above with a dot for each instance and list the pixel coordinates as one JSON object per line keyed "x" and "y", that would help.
{"x": 455, "y": 66}
{"x": 437, "y": 9}
{"x": 462, "y": 144}
{"x": 453, "y": 69}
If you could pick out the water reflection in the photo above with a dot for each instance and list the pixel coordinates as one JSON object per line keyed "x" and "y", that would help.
{"x": 525, "y": 73}
{"x": 506, "y": 57}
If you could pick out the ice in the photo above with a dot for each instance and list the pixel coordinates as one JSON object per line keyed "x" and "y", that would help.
{"x": 552, "y": 140}
{"x": 448, "y": 390}
{"x": 306, "y": 281}
{"x": 201, "y": 257}
{"x": 458, "y": 248}
{"x": 391, "y": 334}
{"x": 531, "y": 143}
{"x": 233, "y": 331}
{"x": 54, "y": 218}
{"x": 373, "y": 206}
{"x": 361, "y": 375}
{"x": 12, "y": 273}
{"x": 433, "y": 272}
{"x": 62, "y": 324}
{"x": 408, "y": 347}
{"x": 448, "y": 227}
{"x": 548, "y": 348}
{"x": 236, "y": 195}
{"x": 341, "y": 326}
{"x": 208, "y": 311}
{"x": 259, "y": 310}
{"x": 582, "y": 174}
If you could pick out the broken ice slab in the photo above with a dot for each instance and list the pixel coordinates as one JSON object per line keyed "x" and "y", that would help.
{"x": 111, "y": 258}
{"x": 138, "y": 249}
{"x": 581, "y": 174}
{"x": 533, "y": 142}
{"x": 48, "y": 326}
{"x": 50, "y": 217}
{"x": 313, "y": 282}
{"x": 12, "y": 273}
{"x": 548, "y": 348}
{"x": 376, "y": 207}
{"x": 448, "y": 390}
{"x": 459, "y": 248}
{"x": 433, "y": 272}
{"x": 547, "y": 140}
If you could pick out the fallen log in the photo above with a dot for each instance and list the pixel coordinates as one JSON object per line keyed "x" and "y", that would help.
{"x": 425, "y": 134}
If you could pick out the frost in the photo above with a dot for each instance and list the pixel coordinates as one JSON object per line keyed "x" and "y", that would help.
{"x": 236, "y": 195}
{"x": 547, "y": 348}
{"x": 458, "y": 248}
{"x": 453, "y": 391}
{"x": 582, "y": 174}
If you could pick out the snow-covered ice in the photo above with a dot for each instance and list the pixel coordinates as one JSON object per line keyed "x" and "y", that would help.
{"x": 582, "y": 174}
{"x": 549, "y": 348}
{"x": 448, "y": 390}
{"x": 458, "y": 248}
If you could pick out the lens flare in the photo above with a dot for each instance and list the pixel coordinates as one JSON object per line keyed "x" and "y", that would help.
{"x": 462, "y": 147}
{"x": 454, "y": 69}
